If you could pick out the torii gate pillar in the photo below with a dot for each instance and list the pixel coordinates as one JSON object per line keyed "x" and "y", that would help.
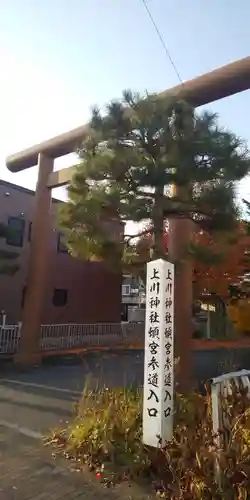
{"x": 29, "y": 349}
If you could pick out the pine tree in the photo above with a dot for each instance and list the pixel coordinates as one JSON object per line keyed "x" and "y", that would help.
{"x": 7, "y": 259}
{"x": 132, "y": 155}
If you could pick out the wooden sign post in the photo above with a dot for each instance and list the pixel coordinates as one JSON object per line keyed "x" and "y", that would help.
{"x": 159, "y": 354}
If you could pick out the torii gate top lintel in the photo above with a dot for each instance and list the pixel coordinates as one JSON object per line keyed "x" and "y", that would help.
{"x": 223, "y": 82}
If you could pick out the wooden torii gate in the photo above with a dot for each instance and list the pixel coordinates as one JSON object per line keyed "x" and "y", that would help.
{"x": 207, "y": 88}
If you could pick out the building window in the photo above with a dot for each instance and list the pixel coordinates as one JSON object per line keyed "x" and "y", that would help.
{"x": 61, "y": 247}
{"x": 23, "y": 296}
{"x": 60, "y": 297}
{"x": 29, "y": 231}
{"x": 15, "y": 235}
{"x": 126, "y": 290}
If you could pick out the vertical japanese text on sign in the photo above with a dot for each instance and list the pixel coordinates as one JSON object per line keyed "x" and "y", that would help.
{"x": 158, "y": 367}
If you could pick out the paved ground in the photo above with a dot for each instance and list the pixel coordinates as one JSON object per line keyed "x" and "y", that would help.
{"x": 121, "y": 369}
{"x": 72, "y": 372}
{"x": 30, "y": 405}
{"x": 28, "y": 472}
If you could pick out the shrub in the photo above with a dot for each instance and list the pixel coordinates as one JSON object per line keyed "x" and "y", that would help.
{"x": 106, "y": 434}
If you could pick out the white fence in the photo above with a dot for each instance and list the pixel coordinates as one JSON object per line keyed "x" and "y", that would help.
{"x": 222, "y": 387}
{"x": 70, "y": 336}
{"x": 9, "y": 339}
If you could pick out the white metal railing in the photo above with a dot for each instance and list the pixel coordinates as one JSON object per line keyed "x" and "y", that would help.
{"x": 69, "y": 336}
{"x": 222, "y": 387}
{"x": 9, "y": 338}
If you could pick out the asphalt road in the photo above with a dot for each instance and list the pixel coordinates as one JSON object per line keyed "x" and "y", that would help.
{"x": 45, "y": 396}
{"x": 72, "y": 372}
{"x": 123, "y": 368}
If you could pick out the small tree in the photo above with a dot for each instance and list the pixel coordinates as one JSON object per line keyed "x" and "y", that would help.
{"x": 228, "y": 268}
{"x": 7, "y": 258}
{"x": 219, "y": 263}
{"x": 131, "y": 157}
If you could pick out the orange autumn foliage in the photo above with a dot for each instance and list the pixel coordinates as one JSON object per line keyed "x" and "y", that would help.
{"x": 231, "y": 267}
{"x": 216, "y": 278}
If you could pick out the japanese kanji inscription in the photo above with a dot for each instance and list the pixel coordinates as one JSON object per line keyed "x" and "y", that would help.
{"x": 159, "y": 354}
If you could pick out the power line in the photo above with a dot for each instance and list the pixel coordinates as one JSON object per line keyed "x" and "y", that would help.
{"x": 161, "y": 40}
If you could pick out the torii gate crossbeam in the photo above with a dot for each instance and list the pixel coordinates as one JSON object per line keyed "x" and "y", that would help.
{"x": 210, "y": 87}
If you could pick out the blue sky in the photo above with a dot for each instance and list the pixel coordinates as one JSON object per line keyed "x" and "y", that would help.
{"x": 59, "y": 58}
